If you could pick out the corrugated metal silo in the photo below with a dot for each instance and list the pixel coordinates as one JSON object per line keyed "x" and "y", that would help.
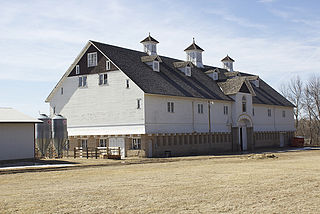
{"x": 59, "y": 133}
{"x": 43, "y": 134}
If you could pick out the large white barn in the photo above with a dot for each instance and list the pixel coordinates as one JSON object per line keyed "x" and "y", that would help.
{"x": 151, "y": 105}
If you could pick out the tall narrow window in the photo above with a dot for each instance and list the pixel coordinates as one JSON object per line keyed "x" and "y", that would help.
{"x": 103, "y": 143}
{"x": 200, "y": 108}
{"x": 61, "y": 90}
{"x": 92, "y": 59}
{"x": 108, "y": 65}
{"x": 139, "y": 103}
{"x": 269, "y": 112}
{"x": 188, "y": 71}
{"x": 77, "y": 69}
{"x": 127, "y": 83}
{"x": 170, "y": 107}
{"x": 84, "y": 143}
{"x": 156, "y": 66}
{"x": 244, "y": 104}
{"x": 283, "y": 113}
{"x": 225, "y": 110}
{"x": 136, "y": 143}
{"x": 103, "y": 79}
{"x": 252, "y": 111}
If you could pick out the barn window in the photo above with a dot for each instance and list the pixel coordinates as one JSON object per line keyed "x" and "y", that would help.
{"x": 170, "y": 107}
{"x": 139, "y": 101}
{"x": 225, "y": 110}
{"x": 127, "y": 84}
{"x": 200, "y": 108}
{"x": 84, "y": 143}
{"x": 283, "y": 113}
{"x": 77, "y": 69}
{"x": 244, "y": 104}
{"x": 156, "y": 66}
{"x": 188, "y": 71}
{"x": 136, "y": 143}
{"x": 92, "y": 59}
{"x": 61, "y": 90}
{"x": 103, "y": 143}
{"x": 269, "y": 112}
{"x": 82, "y": 81}
{"x": 103, "y": 79}
{"x": 252, "y": 111}
{"x": 108, "y": 65}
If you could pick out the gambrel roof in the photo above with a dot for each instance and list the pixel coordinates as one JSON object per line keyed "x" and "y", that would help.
{"x": 170, "y": 80}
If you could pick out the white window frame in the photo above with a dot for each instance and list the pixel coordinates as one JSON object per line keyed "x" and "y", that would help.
{"x": 77, "y": 69}
{"x": 108, "y": 65}
{"x": 156, "y": 66}
{"x": 84, "y": 81}
{"x": 92, "y": 59}
{"x": 103, "y": 79}
{"x": 136, "y": 144}
{"x": 103, "y": 142}
{"x": 139, "y": 103}
{"x": 170, "y": 107}
{"x": 200, "y": 108}
{"x": 188, "y": 71}
{"x": 225, "y": 110}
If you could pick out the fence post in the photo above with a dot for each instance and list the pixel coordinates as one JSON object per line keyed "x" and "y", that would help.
{"x": 96, "y": 153}
{"x": 87, "y": 152}
{"x": 74, "y": 153}
{"x": 119, "y": 151}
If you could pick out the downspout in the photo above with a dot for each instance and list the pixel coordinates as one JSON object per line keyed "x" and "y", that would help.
{"x": 209, "y": 117}
{"x": 192, "y": 116}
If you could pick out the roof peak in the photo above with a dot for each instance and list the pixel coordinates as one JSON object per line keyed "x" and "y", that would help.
{"x": 193, "y": 46}
{"x": 149, "y": 38}
{"x": 227, "y": 58}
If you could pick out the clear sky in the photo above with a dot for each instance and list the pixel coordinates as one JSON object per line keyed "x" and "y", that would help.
{"x": 275, "y": 39}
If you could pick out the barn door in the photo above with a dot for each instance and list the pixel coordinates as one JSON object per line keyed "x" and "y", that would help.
{"x": 118, "y": 142}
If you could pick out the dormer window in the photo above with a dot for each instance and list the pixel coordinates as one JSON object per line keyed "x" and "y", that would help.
{"x": 215, "y": 75}
{"x": 155, "y": 66}
{"x": 188, "y": 71}
{"x": 108, "y": 65}
{"x": 92, "y": 59}
{"x": 77, "y": 69}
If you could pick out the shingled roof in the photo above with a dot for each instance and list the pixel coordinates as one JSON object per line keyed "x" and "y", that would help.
{"x": 170, "y": 81}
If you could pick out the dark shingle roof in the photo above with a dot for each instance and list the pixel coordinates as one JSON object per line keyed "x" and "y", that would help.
{"x": 227, "y": 58}
{"x": 169, "y": 81}
{"x": 149, "y": 39}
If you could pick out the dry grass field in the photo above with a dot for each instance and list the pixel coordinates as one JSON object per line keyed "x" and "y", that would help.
{"x": 206, "y": 184}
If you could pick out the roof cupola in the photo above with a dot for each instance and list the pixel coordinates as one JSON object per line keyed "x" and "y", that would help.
{"x": 150, "y": 45}
{"x": 228, "y": 63}
{"x": 194, "y": 54}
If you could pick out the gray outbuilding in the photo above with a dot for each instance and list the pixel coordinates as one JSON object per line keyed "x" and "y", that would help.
{"x": 17, "y": 135}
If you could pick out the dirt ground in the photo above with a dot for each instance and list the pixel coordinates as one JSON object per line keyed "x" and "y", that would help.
{"x": 276, "y": 183}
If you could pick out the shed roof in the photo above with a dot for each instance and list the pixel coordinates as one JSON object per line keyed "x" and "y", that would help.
{"x": 10, "y": 115}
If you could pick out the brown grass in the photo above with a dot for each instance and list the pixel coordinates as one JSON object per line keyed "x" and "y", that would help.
{"x": 289, "y": 183}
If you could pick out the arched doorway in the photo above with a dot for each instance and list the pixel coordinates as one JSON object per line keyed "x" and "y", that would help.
{"x": 244, "y": 122}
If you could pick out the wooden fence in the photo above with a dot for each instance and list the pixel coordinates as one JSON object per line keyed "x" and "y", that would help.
{"x": 95, "y": 152}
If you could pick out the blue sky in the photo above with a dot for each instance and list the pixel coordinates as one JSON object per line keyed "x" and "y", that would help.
{"x": 275, "y": 39}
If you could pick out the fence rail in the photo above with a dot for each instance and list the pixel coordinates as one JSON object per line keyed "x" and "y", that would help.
{"x": 97, "y": 152}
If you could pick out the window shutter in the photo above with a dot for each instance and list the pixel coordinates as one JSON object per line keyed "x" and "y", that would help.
{"x": 168, "y": 106}
{"x": 172, "y": 107}
{"x": 105, "y": 79}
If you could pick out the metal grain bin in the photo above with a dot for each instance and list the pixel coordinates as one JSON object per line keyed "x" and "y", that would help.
{"x": 43, "y": 134}
{"x": 59, "y": 133}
